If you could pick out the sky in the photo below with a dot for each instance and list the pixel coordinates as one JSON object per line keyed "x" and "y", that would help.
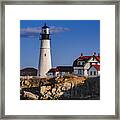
{"x": 69, "y": 38}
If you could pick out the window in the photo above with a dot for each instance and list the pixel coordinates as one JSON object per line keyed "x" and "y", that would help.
{"x": 94, "y": 72}
{"x": 90, "y": 72}
{"x": 75, "y": 71}
{"x": 80, "y": 63}
{"x": 45, "y": 31}
{"x": 80, "y": 72}
{"x": 53, "y": 73}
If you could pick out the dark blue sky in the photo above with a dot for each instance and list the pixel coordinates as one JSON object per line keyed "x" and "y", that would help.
{"x": 68, "y": 39}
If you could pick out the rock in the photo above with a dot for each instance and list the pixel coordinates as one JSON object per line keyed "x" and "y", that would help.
{"x": 30, "y": 95}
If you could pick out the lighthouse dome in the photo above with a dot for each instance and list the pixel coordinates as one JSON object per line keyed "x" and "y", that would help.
{"x": 45, "y": 26}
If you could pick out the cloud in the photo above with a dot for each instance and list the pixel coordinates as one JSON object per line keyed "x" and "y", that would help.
{"x": 35, "y": 31}
{"x": 54, "y": 29}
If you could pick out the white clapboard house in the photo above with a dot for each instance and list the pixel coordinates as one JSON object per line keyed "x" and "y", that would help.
{"x": 88, "y": 66}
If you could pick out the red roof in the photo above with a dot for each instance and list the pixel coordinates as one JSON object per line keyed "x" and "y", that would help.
{"x": 53, "y": 70}
{"x": 84, "y": 57}
{"x": 98, "y": 58}
{"x": 97, "y": 67}
{"x": 65, "y": 68}
{"x": 88, "y": 57}
{"x": 61, "y": 69}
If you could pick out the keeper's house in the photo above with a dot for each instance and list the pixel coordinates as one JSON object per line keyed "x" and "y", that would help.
{"x": 88, "y": 66}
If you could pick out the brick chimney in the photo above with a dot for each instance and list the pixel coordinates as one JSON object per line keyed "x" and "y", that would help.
{"x": 81, "y": 55}
{"x": 94, "y": 53}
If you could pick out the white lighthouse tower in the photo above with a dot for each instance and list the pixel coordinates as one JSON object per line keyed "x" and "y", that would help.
{"x": 45, "y": 54}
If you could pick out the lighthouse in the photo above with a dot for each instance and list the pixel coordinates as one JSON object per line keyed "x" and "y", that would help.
{"x": 45, "y": 53}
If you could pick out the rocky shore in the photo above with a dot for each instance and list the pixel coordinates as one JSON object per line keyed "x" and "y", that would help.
{"x": 69, "y": 87}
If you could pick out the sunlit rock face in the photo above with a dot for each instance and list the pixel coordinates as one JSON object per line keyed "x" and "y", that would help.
{"x": 61, "y": 88}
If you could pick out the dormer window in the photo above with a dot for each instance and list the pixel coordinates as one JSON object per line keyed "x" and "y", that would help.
{"x": 80, "y": 63}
